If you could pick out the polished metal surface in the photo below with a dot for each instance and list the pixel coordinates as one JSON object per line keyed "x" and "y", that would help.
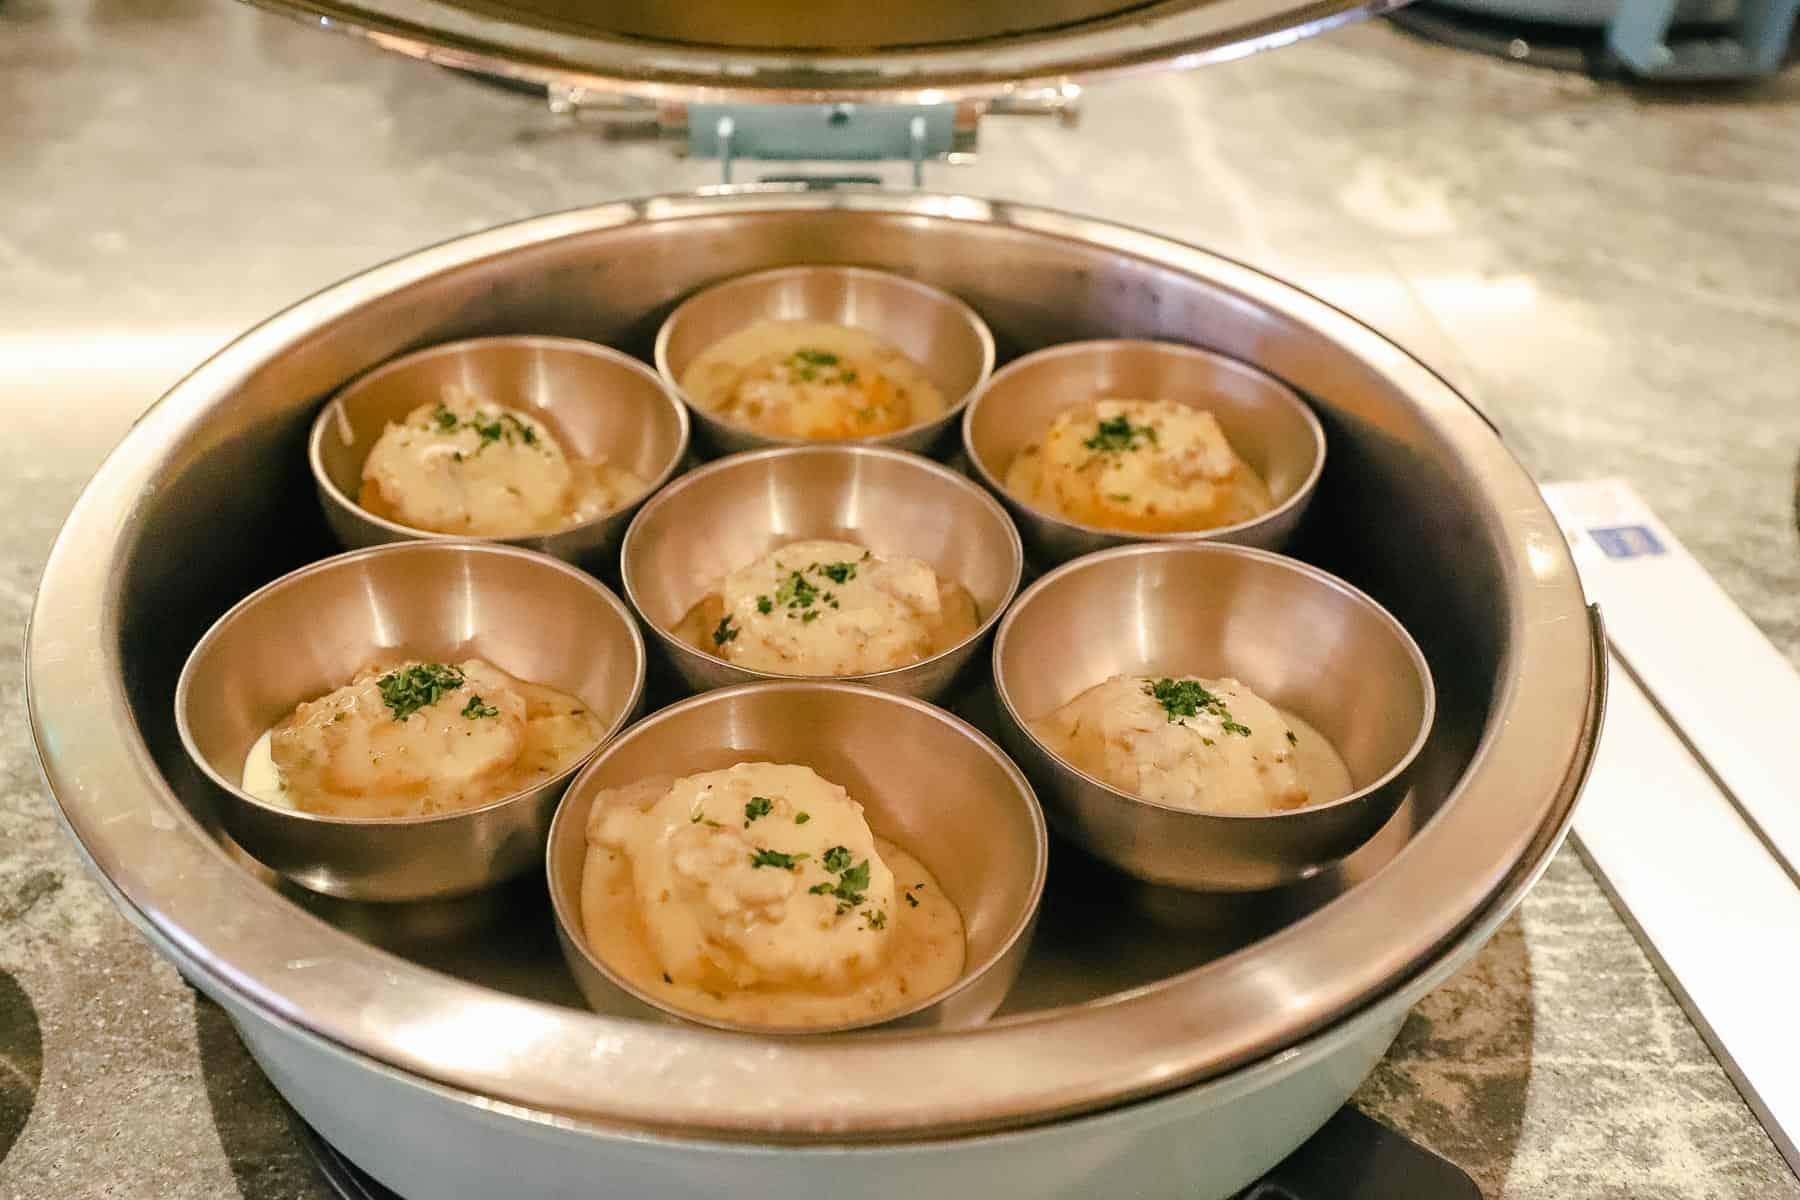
{"x": 840, "y": 50}
{"x": 1417, "y": 481}
{"x": 309, "y": 632}
{"x": 728, "y": 514}
{"x": 1265, "y": 422}
{"x": 946, "y": 338}
{"x": 1301, "y": 639}
{"x": 600, "y": 404}
{"x": 928, "y": 782}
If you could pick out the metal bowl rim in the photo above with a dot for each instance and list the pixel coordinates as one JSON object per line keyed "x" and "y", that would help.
{"x": 322, "y": 478}
{"x": 1313, "y": 575}
{"x": 296, "y": 577}
{"x": 952, "y": 412}
{"x": 1287, "y": 395}
{"x": 573, "y": 930}
{"x": 667, "y": 495}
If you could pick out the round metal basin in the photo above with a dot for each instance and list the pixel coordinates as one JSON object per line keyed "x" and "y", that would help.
{"x": 1147, "y": 1049}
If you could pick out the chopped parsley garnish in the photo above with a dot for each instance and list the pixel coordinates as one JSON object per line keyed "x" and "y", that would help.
{"x": 795, "y": 592}
{"x": 488, "y": 427}
{"x": 839, "y": 572}
{"x": 852, "y": 883}
{"x": 1181, "y": 698}
{"x": 809, "y": 617}
{"x": 759, "y": 806}
{"x": 1119, "y": 434}
{"x": 764, "y": 604}
{"x": 1119, "y": 497}
{"x": 911, "y": 899}
{"x": 475, "y": 709}
{"x": 409, "y": 689}
{"x": 802, "y": 818}
{"x": 1292, "y": 740}
{"x": 877, "y": 917}
{"x": 724, "y": 633}
{"x": 488, "y": 431}
{"x": 816, "y": 358}
{"x": 775, "y": 858}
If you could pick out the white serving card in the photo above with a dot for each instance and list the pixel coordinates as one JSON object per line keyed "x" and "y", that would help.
{"x": 1692, "y": 865}
{"x": 1731, "y": 693}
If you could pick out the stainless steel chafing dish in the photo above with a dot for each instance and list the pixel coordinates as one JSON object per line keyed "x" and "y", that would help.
{"x": 1150, "y": 1047}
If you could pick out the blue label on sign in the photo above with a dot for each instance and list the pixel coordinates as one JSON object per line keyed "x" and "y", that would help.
{"x": 1627, "y": 541}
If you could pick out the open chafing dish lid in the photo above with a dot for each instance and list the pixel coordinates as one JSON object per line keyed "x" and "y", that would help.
{"x": 784, "y": 51}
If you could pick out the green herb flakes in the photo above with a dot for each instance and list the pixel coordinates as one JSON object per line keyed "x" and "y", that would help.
{"x": 775, "y": 858}
{"x": 839, "y": 572}
{"x": 725, "y": 632}
{"x": 1182, "y": 698}
{"x": 911, "y": 900}
{"x": 1120, "y": 434}
{"x": 759, "y": 806}
{"x": 877, "y": 917}
{"x": 802, "y": 818}
{"x": 1292, "y": 740}
{"x": 474, "y": 710}
{"x": 764, "y": 605}
{"x": 409, "y": 689}
{"x": 837, "y": 859}
{"x": 796, "y": 592}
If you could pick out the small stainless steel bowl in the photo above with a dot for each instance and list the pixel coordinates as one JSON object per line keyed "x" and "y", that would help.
{"x": 729, "y": 513}
{"x": 944, "y": 336}
{"x": 312, "y": 630}
{"x": 1303, "y": 640}
{"x": 1269, "y": 426}
{"x": 928, "y": 782}
{"x": 597, "y": 401}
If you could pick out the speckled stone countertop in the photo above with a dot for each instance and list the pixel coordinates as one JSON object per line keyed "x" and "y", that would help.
{"x": 1609, "y": 272}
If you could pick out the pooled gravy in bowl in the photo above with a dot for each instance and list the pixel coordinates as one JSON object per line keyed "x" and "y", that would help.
{"x": 811, "y": 379}
{"x": 830, "y": 608}
{"x": 462, "y": 466}
{"x": 417, "y": 739}
{"x": 1210, "y": 745}
{"x": 758, "y": 895}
